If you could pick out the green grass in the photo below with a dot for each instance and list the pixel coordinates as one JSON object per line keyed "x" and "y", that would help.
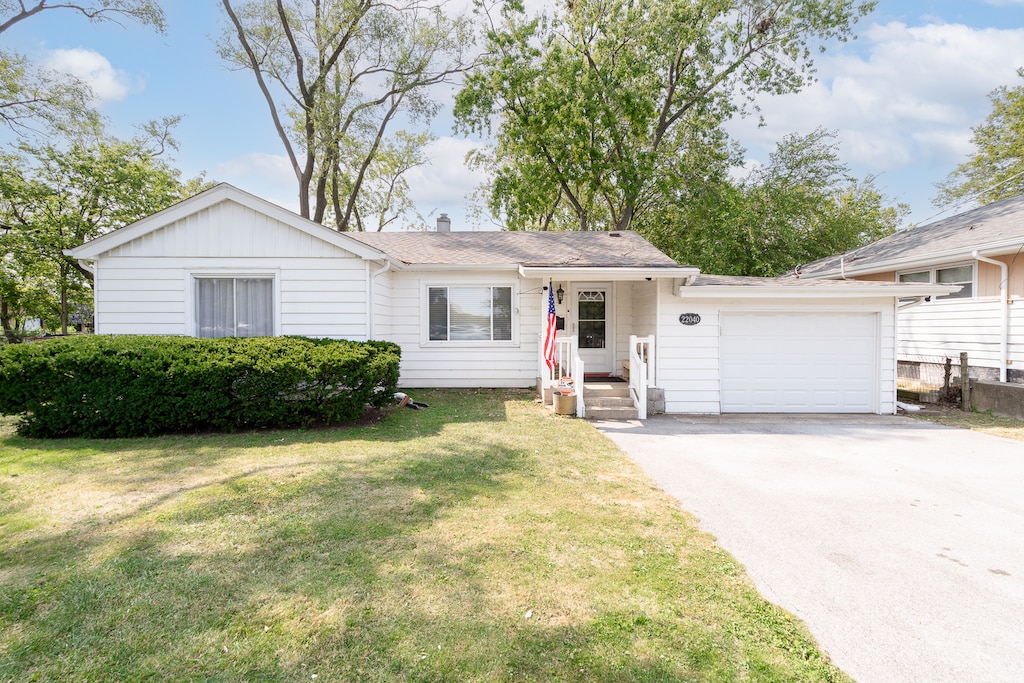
{"x": 483, "y": 539}
{"x": 987, "y": 423}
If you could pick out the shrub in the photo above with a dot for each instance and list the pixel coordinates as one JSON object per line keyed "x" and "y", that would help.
{"x": 114, "y": 386}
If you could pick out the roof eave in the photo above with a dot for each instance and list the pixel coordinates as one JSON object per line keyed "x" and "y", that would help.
{"x": 932, "y": 259}
{"x": 608, "y": 273}
{"x": 898, "y": 291}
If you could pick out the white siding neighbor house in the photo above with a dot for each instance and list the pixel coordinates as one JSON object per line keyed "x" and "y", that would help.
{"x": 470, "y": 309}
{"x": 979, "y": 250}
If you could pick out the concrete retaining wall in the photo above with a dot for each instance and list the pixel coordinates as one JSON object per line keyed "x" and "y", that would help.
{"x": 1001, "y": 399}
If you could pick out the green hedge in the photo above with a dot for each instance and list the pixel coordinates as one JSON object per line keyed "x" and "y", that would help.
{"x": 103, "y": 386}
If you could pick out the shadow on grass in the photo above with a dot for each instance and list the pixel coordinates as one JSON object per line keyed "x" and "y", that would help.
{"x": 168, "y": 452}
{"x": 364, "y": 565}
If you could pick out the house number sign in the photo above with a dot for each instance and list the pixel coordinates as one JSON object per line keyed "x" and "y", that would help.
{"x": 689, "y": 318}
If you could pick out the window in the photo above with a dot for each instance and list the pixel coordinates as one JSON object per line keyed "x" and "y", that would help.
{"x": 955, "y": 275}
{"x": 960, "y": 275}
{"x": 234, "y": 307}
{"x": 470, "y": 313}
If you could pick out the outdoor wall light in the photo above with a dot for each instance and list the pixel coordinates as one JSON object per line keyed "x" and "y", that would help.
{"x": 560, "y": 293}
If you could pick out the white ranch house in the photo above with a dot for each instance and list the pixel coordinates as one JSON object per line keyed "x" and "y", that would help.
{"x": 469, "y": 308}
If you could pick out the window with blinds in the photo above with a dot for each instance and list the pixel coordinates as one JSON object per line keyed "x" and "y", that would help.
{"x": 470, "y": 313}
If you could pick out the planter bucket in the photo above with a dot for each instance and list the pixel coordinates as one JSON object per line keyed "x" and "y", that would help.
{"x": 565, "y": 403}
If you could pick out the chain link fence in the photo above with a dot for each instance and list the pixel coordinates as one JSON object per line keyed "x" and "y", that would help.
{"x": 927, "y": 376}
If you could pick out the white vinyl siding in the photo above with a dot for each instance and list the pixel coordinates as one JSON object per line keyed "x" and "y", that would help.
{"x": 428, "y": 363}
{"x": 692, "y": 359}
{"x": 948, "y": 327}
{"x": 469, "y": 314}
{"x": 146, "y": 285}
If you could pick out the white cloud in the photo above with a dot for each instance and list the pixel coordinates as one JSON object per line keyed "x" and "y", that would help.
{"x": 443, "y": 184}
{"x": 899, "y": 96}
{"x": 108, "y": 84}
{"x": 269, "y": 176}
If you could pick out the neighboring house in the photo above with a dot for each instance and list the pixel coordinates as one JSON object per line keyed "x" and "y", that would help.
{"x": 979, "y": 250}
{"x": 469, "y": 309}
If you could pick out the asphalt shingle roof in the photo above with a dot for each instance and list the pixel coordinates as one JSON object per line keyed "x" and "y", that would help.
{"x": 996, "y": 224}
{"x": 531, "y": 249}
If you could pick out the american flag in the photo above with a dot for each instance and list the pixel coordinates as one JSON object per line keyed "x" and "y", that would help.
{"x": 549, "y": 332}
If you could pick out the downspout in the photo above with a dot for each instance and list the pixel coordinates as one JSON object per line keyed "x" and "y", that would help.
{"x": 913, "y": 302}
{"x": 370, "y": 298}
{"x": 1004, "y": 312}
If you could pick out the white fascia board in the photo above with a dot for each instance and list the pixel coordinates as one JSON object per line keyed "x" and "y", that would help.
{"x": 920, "y": 262}
{"x": 608, "y": 274}
{"x": 898, "y": 291}
{"x": 219, "y": 193}
{"x": 455, "y": 267}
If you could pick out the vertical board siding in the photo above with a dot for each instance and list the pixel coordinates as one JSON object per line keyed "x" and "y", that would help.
{"x": 228, "y": 230}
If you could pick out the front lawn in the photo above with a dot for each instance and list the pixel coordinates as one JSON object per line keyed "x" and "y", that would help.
{"x": 482, "y": 539}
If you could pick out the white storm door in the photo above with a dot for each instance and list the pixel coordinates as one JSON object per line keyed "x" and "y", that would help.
{"x": 592, "y": 309}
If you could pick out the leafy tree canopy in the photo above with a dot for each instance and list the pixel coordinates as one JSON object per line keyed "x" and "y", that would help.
{"x": 55, "y": 197}
{"x": 338, "y": 76}
{"x": 602, "y": 105}
{"x": 996, "y": 171}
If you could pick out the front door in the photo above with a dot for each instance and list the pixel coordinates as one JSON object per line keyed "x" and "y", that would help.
{"x": 594, "y": 327}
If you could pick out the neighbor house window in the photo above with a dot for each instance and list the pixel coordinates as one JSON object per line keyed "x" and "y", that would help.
{"x": 234, "y": 307}
{"x": 470, "y": 313}
{"x": 955, "y": 275}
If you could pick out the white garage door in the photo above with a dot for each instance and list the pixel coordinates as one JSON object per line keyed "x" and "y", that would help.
{"x": 799, "y": 363}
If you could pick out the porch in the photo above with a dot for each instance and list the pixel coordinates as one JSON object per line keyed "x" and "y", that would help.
{"x": 626, "y": 396}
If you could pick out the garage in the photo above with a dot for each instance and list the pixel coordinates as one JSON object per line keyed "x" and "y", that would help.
{"x": 784, "y": 362}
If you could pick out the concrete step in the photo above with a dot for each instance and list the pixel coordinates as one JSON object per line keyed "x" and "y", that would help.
{"x": 605, "y": 389}
{"x": 600, "y": 413}
{"x": 608, "y": 401}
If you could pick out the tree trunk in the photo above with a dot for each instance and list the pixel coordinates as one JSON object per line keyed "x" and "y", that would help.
{"x": 5, "y": 319}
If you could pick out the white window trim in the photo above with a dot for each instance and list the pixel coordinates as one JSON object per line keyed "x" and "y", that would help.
{"x": 427, "y": 342}
{"x": 933, "y": 275}
{"x": 207, "y": 273}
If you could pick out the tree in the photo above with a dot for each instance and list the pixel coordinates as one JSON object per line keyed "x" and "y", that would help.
{"x": 801, "y": 206}
{"x": 30, "y": 96}
{"x": 607, "y": 106}
{"x": 336, "y": 76}
{"x": 53, "y": 198}
{"x": 996, "y": 171}
{"x": 145, "y": 12}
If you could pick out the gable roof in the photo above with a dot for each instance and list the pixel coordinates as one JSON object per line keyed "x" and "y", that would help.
{"x": 622, "y": 249}
{"x": 204, "y": 200}
{"x": 995, "y": 228}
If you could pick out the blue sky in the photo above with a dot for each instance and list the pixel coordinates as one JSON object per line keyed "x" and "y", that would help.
{"x": 902, "y": 97}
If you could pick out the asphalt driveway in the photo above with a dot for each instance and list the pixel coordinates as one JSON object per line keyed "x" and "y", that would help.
{"x": 900, "y": 544}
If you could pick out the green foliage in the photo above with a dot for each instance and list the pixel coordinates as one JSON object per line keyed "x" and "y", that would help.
{"x": 115, "y": 386}
{"x": 802, "y": 206}
{"x": 607, "y": 106}
{"x": 30, "y": 96}
{"x": 996, "y": 171}
{"x": 57, "y": 197}
{"x": 337, "y": 78}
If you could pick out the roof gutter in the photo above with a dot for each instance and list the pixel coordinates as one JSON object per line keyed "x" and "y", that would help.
{"x": 1004, "y": 312}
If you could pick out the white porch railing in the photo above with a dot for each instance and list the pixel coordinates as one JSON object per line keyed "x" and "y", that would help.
{"x": 567, "y": 364}
{"x": 641, "y": 350}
